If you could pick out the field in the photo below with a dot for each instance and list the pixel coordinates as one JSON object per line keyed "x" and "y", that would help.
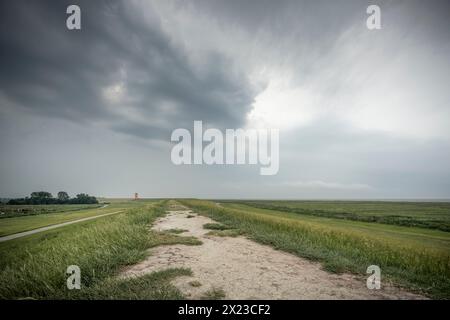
{"x": 50, "y": 216}
{"x": 8, "y": 211}
{"x": 34, "y": 266}
{"x": 416, "y": 258}
{"x": 433, "y": 215}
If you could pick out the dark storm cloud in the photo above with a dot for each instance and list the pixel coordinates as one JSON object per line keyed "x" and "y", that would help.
{"x": 52, "y": 71}
{"x": 362, "y": 113}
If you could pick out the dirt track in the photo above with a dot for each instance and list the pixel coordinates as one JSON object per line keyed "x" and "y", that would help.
{"x": 247, "y": 270}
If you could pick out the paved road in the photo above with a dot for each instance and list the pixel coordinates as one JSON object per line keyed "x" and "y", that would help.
{"x": 54, "y": 226}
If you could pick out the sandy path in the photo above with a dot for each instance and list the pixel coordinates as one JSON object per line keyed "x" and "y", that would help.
{"x": 247, "y": 270}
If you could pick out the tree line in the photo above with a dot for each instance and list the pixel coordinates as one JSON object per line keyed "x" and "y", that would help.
{"x": 44, "y": 197}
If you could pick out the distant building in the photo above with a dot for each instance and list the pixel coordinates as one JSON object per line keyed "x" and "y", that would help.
{"x": 136, "y": 196}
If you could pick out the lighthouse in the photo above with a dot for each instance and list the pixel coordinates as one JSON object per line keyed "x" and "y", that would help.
{"x": 136, "y": 196}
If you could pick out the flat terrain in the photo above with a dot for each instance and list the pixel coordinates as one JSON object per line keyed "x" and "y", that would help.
{"x": 8, "y": 211}
{"x": 425, "y": 238}
{"x": 433, "y": 215}
{"x": 35, "y": 266}
{"x": 412, "y": 257}
{"x": 49, "y": 216}
{"x": 224, "y": 249}
{"x": 243, "y": 269}
{"x": 53, "y": 226}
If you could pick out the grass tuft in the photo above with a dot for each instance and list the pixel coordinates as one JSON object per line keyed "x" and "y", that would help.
{"x": 225, "y": 233}
{"x": 154, "y": 286}
{"x": 195, "y": 283}
{"x": 176, "y": 231}
{"x": 213, "y": 294}
{"x": 215, "y": 226}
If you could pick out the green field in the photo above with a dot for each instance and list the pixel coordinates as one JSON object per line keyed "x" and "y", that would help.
{"x": 56, "y": 215}
{"x": 416, "y": 258}
{"x": 9, "y": 211}
{"x": 35, "y": 266}
{"x": 432, "y": 215}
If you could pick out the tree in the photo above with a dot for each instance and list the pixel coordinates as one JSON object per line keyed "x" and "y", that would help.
{"x": 63, "y": 196}
{"x": 83, "y": 198}
{"x": 41, "y": 197}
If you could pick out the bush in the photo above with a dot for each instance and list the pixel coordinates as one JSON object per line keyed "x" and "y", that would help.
{"x": 43, "y": 197}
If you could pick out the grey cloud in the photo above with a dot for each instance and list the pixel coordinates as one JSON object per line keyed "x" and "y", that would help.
{"x": 61, "y": 73}
{"x": 81, "y": 105}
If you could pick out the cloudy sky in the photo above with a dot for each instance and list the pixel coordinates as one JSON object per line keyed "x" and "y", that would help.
{"x": 361, "y": 113}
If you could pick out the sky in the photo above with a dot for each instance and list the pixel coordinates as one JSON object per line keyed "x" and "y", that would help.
{"x": 362, "y": 114}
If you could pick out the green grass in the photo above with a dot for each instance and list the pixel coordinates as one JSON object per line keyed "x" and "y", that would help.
{"x": 8, "y": 211}
{"x": 220, "y": 230}
{"x": 215, "y": 226}
{"x": 225, "y": 233}
{"x": 426, "y": 238}
{"x": 30, "y": 222}
{"x": 167, "y": 238}
{"x": 432, "y": 215}
{"x": 154, "y": 286}
{"x": 35, "y": 266}
{"x": 416, "y": 258}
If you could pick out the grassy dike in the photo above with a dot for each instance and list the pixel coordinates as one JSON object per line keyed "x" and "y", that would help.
{"x": 35, "y": 266}
{"x": 339, "y": 250}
